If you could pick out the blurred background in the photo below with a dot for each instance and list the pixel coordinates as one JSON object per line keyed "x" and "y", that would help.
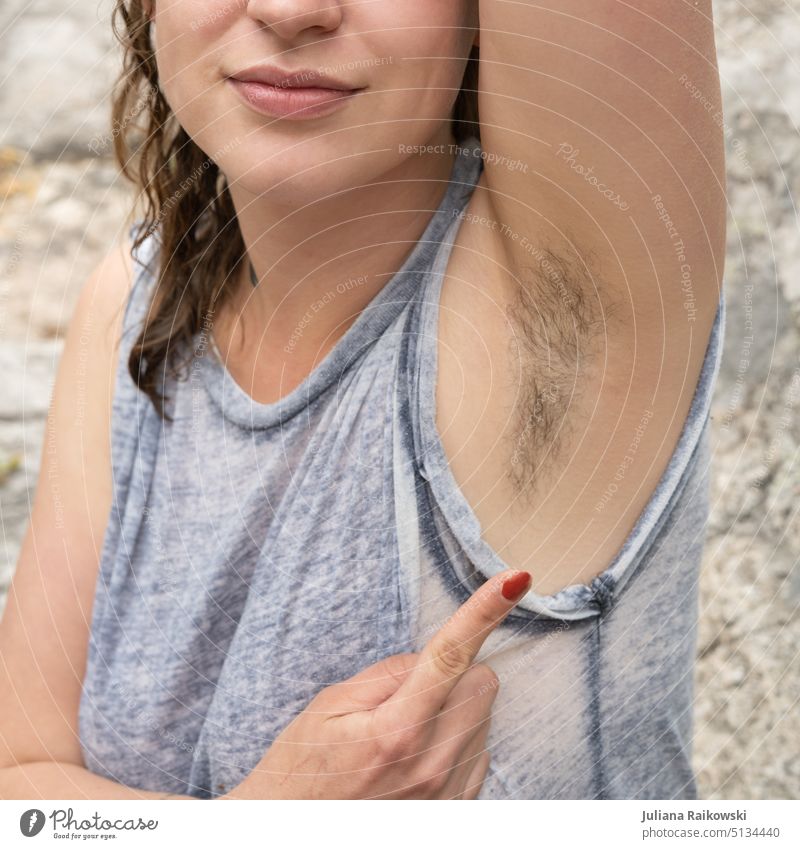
{"x": 63, "y": 205}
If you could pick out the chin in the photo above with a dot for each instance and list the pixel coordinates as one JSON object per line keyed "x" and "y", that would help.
{"x": 297, "y": 175}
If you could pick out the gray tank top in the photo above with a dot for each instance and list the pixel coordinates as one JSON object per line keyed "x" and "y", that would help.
{"x": 256, "y": 553}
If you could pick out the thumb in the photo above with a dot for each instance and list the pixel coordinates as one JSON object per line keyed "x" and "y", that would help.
{"x": 368, "y": 688}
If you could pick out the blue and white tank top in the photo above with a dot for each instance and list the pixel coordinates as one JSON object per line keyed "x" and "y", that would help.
{"x": 256, "y": 553}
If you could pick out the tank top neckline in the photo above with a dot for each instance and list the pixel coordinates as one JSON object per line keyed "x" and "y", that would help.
{"x": 241, "y": 408}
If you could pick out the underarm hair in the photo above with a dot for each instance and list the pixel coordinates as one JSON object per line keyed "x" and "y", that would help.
{"x": 559, "y": 319}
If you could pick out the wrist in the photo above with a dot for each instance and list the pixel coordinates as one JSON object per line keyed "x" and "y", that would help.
{"x": 264, "y": 788}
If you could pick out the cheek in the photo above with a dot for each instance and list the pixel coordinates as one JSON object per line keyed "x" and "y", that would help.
{"x": 425, "y": 74}
{"x": 187, "y": 42}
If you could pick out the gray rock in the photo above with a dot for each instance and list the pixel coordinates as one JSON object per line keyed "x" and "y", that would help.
{"x": 58, "y": 63}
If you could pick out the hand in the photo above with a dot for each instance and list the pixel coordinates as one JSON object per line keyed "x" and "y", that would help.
{"x": 412, "y": 726}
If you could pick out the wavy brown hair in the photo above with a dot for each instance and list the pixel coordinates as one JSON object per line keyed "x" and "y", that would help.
{"x": 186, "y": 197}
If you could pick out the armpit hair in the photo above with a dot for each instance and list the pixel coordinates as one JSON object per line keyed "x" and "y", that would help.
{"x": 559, "y": 323}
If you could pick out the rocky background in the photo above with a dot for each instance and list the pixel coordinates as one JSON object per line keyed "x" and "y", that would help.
{"x": 63, "y": 204}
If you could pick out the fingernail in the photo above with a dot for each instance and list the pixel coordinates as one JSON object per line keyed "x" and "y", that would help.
{"x": 516, "y": 587}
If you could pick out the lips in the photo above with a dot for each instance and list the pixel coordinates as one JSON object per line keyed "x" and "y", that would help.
{"x": 299, "y": 94}
{"x": 300, "y": 78}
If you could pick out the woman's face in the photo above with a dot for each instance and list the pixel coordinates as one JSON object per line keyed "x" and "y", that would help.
{"x": 402, "y": 59}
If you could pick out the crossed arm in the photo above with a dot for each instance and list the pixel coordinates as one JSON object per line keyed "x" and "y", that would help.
{"x": 43, "y": 632}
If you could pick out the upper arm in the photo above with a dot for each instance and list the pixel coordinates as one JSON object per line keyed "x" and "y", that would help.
{"x": 45, "y": 626}
{"x": 590, "y": 109}
{"x": 589, "y": 299}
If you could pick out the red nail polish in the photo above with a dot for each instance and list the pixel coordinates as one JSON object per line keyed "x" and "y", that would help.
{"x": 515, "y": 587}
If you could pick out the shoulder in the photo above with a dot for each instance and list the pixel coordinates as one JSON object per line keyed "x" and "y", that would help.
{"x": 98, "y": 318}
{"x": 113, "y": 278}
{"x": 90, "y": 361}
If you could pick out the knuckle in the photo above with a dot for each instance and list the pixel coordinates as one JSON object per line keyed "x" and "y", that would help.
{"x": 451, "y": 658}
{"x": 328, "y": 701}
{"x": 397, "y": 665}
{"x": 492, "y": 680}
{"x": 488, "y": 677}
{"x": 431, "y": 780}
{"x": 481, "y": 681}
{"x": 396, "y": 744}
{"x": 323, "y": 701}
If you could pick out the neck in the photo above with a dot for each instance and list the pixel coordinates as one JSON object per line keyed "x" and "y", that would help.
{"x": 359, "y": 238}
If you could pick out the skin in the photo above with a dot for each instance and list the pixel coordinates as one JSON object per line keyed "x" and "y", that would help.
{"x": 314, "y": 200}
{"x": 329, "y": 188}
{"x": 411, "y": 726}
{"x": 605, "y": 79}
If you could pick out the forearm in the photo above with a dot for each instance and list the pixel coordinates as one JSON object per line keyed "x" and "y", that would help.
{"x": 53, "y": 780}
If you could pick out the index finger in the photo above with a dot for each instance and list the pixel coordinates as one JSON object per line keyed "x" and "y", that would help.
{"x": 452, "y": 650}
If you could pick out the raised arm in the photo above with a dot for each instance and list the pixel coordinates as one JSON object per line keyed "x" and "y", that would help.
{"x": 584, "y": 286}
{"x": 612, "y": 109}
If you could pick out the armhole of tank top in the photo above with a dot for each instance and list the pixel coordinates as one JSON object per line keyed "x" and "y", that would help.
{"x": 577, "y": 601}
{"x": 124, "y": 416}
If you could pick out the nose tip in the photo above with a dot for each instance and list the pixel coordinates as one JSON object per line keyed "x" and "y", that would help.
{"x": 290, "y": 18}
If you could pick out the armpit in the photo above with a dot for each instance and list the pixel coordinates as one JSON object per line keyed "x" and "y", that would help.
{"x": 561, "y": 317}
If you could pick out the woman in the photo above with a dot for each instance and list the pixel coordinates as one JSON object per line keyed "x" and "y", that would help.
{"x": 385, "y": 346}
